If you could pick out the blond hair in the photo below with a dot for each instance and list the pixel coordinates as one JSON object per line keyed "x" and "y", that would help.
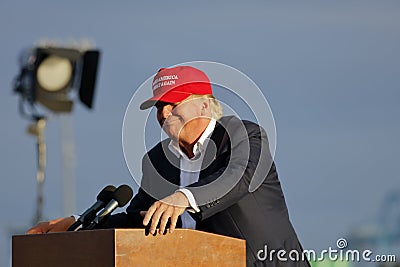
{"x": 216, "y": 108}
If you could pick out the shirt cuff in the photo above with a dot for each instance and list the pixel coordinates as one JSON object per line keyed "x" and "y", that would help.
{"x": 192, "y": 202}
{"x": 76, "y": 219}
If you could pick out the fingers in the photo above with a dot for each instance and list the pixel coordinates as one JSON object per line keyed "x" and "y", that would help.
{"x": 156, "y": 218}
{"x": 62, "y": 224}
{"x": 162, "y": 216}
{"x": 150, "y": 213}
{"x": 164, "y": 220}
{"x": 161, "y": 213}
{"x": 169, "y": 208}
{"x": 56, "y": 225}
{"x": 174, "y": 220}
{"x": 39, "y": 228}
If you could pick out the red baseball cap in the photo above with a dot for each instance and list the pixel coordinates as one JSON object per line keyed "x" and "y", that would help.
{"x": 175, "y": 84}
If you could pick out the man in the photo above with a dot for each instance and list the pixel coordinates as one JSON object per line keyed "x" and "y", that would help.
{"x": 201, "y": 176}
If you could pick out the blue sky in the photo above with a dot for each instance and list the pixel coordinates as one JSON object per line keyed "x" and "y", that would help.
{"x": 329, "y": 70}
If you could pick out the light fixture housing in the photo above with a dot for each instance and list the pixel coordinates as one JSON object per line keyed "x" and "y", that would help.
{"x": 49, "y": 74}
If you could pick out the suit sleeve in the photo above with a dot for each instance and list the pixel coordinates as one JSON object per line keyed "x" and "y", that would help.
{"x": 241, "y": 169}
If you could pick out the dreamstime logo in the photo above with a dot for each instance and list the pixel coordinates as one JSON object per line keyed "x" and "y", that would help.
{"x": 341, "y": 243}
{"x": 330, "y": 254}
{"x": 230, "y": 87}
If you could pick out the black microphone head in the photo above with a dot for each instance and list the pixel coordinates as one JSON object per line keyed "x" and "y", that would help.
{"x": 123, "y": 194}
{"x": 106, "y": 194}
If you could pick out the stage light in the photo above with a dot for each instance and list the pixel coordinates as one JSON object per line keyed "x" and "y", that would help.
{"x": 53, "y": 76}
{"x": 49, "y": 74}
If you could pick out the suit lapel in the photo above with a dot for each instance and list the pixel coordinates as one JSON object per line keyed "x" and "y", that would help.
{"x": 170, "y": 167}
{"x": 215, "y": 147}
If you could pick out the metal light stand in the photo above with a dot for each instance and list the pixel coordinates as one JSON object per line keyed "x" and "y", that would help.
{"x": 37, "y": 129}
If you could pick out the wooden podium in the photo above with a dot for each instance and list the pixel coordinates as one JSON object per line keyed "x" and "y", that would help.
{"x": 127, "y": 247}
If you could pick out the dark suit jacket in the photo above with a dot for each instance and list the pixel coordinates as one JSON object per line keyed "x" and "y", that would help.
{"x": 238, "y": 191}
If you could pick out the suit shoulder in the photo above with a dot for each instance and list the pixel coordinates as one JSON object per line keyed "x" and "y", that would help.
{"x": 233, "y": 122}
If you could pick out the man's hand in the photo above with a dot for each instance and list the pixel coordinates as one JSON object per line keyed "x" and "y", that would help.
{"x": 170, "y": 207}
{"x": 57, "y": 225}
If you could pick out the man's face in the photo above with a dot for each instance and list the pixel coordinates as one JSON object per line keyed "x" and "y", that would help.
{"x": 183, "y": 121}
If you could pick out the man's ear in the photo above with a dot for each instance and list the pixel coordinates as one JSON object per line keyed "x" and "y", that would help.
{"x": 205, "y": 107}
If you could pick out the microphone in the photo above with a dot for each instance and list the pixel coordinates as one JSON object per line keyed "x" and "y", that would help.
{"x": 102, "y": 199}
{"x": 120, "y": 197}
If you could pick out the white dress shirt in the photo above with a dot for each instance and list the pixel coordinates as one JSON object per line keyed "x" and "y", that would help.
{"x": 190, "y": 170}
